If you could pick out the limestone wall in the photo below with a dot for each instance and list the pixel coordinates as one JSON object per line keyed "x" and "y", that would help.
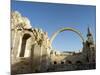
{"x": 29, "y": 45}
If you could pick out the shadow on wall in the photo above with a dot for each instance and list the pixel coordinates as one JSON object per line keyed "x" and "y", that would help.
{"x": 23, "y": 66}
{"x": 27, "y": 65}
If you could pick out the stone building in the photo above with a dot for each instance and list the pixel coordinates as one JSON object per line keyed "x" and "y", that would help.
{"x": 32, "y": 52}
{"x": 30, "y": 46}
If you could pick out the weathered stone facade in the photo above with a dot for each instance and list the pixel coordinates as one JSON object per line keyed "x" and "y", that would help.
{"x": 31, "y": 49}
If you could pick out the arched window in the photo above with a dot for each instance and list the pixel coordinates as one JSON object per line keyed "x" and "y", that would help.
{"x": 55, "y": 62}
{"x": 23, "y": 45}
{"x": 78, "y": 62}
{"x": 68, "y": 62}
{"x": 62, "y": 62}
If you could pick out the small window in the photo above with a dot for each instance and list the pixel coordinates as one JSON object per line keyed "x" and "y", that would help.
{"x": 55, "y": 62}
{"x": 62, "y": 62}
{"x": 68, "y": 62}
{"x": 78, "y": 62}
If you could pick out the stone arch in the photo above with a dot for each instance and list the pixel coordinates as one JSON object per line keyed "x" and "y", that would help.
{"x": 67, "y": 29}
{"x": 23, "y": 44}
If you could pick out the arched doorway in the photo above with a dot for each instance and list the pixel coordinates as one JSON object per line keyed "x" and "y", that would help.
{"x": 25, "y": 44}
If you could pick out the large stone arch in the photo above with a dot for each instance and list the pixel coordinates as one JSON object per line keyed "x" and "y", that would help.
{"x": 67, "y": 29}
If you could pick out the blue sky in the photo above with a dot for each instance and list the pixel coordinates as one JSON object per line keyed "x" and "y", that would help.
{"x": 51, "y": 17}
